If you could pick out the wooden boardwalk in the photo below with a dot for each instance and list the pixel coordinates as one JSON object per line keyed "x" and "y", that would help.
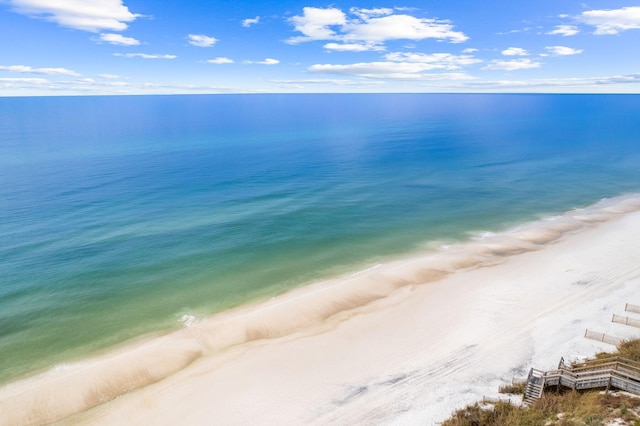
{"x": 610, "y": 373}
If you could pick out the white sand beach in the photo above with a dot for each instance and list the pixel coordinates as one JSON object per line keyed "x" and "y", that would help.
{"x": 406, "y": 342}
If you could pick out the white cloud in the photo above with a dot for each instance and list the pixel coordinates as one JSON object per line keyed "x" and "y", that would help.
{"x": 352, "y": 47}
{"x": 563, "y": 50}
{"x": 515, "y": 51}
{"x": 119, "y": 39}
{"x": 512, "y": 65}
{"x": 21, "y": 86}
{"x": 470, "y": 50}
{"x": 446, "y": 61}
{"x": 446, "y": 76}
{"x": 612, "y": 21}
{"x": 86, "y": 15}
{"x": 201, "y": 40}
{"x": 516, "y": 31}
{"x": 31, "y": 70}
{"x": 406, "y": 27}
{"x": 389, "y": 70}
{"x": 564, "y": 30}
{"x": 116, "y": 84}
{"x": 369, "y": 27}
{"x": 251, "y": 21}
{"x": 574, "y": 82}
{"x": 269, "y": 61}
{"x": 366, "y": 14}
{"x": 220, "y": 61}
{"x": 315, "y": 23}
{"x": 109, "y": 76}
{"x": 24, "y": 80}
{"x": 402, "y": 70}
{"x": 405, "y": 66}
{"x": 335, "y": 82}
{"x": 144, "y": 56}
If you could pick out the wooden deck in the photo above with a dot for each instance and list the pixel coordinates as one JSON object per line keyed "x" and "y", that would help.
{"x": 611, "y": 373}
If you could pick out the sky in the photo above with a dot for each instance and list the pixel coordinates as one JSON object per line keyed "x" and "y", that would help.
{"x": 104, "y": 47}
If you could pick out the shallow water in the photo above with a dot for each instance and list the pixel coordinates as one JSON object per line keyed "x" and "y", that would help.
{"x": 120, "y": 215}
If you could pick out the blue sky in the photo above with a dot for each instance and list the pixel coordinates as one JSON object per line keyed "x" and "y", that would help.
{"x": 69, "y": 47}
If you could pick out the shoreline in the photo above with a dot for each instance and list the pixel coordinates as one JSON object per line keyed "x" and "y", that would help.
{"x": 397, "y": 318}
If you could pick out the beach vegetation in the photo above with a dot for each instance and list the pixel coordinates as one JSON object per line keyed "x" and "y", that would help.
{"x": 568, "y": 408}
{"x": 514, "y": 388}
{"x": 559, "y": 407}
{"x": 629, "y": 349}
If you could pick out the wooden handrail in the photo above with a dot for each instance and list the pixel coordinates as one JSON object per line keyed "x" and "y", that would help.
{"x": 588, "y": 362}
{"x": 615, "y": 372}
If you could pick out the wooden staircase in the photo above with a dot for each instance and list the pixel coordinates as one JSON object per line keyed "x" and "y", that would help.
{"x": 617, "y": 372}
{"x": 535, "y": 386}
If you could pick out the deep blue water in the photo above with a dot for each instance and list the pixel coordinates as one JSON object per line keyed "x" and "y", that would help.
{"x": 120, "y": 214}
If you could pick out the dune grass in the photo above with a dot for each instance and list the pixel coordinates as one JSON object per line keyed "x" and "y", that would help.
{"x": 559, "y": 408}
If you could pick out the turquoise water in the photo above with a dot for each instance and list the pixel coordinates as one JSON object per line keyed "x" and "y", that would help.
{"x": 119, "y": 215}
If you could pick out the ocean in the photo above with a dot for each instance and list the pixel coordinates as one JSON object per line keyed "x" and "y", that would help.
{"x": 133, "y": 215}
